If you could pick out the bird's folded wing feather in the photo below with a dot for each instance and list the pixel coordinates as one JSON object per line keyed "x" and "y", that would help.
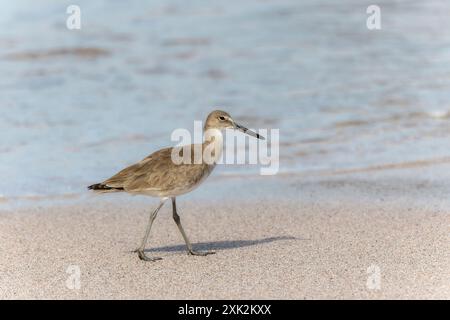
{"x": 157, "y": 172}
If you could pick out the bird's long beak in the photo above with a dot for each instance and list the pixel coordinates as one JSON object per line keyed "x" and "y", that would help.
{"x": 248, "y": 131}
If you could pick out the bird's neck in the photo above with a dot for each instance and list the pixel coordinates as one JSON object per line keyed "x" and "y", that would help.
{"x": 212, "y": 145}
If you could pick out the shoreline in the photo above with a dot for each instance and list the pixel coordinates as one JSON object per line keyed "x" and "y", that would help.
{"x": 407, "y": 186}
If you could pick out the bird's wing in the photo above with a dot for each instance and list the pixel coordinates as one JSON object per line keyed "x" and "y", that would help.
{"x": 157, "y": 172}
{"x": 138, "y": 171}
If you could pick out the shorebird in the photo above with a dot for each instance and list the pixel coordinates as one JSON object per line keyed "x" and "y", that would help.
{"x": 159, "y": 176}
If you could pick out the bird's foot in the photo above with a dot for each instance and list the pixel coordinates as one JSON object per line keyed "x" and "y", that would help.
{"x": 200, "y": 253}
{"x": 144, "y": 257}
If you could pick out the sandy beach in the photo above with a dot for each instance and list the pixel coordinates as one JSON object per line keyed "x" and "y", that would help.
{"x": 295, "y": 248}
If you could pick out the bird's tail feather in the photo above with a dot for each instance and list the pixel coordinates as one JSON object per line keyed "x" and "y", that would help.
{"x": 101, "y": 188}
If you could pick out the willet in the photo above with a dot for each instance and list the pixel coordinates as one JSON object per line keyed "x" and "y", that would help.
{"x": 159, "y": 176}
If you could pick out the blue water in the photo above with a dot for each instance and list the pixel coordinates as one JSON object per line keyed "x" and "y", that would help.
{"x": 76, "y": 106}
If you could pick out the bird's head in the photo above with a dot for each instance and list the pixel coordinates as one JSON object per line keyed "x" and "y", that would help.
{"x": 221, "y": 120}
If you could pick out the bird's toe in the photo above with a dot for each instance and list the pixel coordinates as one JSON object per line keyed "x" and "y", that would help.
{"x": 144, "y": 257}
{"x": 200, "y": 253}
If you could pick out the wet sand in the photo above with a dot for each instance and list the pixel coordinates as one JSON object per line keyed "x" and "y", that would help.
{"x": 300, "y": 248}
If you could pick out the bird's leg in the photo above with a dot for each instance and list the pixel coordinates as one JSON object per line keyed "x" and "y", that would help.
{"x": 140, "y": 250}
{"x": 176, "y": 217}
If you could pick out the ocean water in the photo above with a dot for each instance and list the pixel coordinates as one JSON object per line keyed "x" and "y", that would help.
{"x": 78, "y": 105}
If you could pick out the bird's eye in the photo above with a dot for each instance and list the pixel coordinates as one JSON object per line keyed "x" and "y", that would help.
{"x": 221, "y": 118}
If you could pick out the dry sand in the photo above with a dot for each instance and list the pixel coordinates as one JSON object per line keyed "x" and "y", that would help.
{"x": 305, "y": 248}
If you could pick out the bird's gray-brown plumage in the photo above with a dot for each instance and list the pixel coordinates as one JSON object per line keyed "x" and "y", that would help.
{"x": 159, "y": 176}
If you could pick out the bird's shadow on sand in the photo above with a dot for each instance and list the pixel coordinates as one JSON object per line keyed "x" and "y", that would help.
{"x": 222, "y": 245}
